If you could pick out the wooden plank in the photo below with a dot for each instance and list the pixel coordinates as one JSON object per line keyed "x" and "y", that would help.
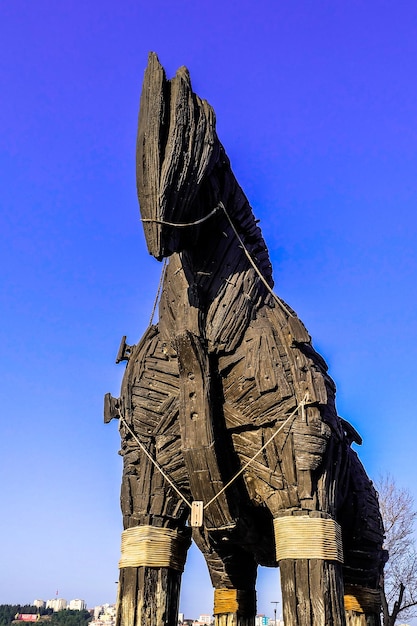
{"x": 289, "y": 595}
{"x": 149, "y": 144}
{"x": 303, "y": 591}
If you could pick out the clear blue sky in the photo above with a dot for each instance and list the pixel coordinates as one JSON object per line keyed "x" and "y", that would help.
{"x": 316, "y": 104}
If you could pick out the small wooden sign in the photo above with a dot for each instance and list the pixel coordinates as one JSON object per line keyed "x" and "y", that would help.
{"x": 197, "y": 513}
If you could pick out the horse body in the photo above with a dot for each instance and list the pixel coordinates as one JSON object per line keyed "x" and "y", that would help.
{"x": 228, "y": 368}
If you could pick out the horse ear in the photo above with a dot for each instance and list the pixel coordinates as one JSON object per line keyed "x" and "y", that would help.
{"x": 183, "y": 74}
{"x": 150, "y": 145}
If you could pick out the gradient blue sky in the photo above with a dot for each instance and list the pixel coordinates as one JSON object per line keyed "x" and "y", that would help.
{"x": 316, "y": 106}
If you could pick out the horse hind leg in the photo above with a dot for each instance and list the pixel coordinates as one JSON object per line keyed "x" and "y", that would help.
{"x": 233, "y": 573}
{"x": 364, "y": 555}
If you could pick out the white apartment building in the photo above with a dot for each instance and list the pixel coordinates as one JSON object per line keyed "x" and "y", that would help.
{"x": 104, "y": 615}
{"x": 77, "y": 605}
{"x": 57, "y": 604}
{"x": 40, "y": 604}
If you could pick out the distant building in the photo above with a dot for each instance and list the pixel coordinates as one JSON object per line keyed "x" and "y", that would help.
{"x": 40, "y": 604}
{"x": 77, "y": 605}
{"x": 57, "y": 604}
{"x": 104, "y": 615}
{"x": 204, "y": 620}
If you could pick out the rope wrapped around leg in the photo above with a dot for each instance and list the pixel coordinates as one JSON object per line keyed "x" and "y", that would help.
{"x": 239, "y": 601}
{"x": 362, "y": 599}
{"x": 308, "y": 538}
{"x": 152, "y": 546}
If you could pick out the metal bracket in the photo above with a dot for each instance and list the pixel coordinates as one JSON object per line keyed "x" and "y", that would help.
{"x": 125, "y": 351}
{"x": 111, "y": 408}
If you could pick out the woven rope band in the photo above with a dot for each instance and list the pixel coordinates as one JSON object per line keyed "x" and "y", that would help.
{"x": 308, "y": 538}
{"x": 362, "y": 599}
{"x": 151, "y": 546}
{"x": 234, "y": 601}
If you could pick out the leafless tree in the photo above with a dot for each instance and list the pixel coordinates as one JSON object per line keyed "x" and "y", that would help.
{"x": 399, "y": 596}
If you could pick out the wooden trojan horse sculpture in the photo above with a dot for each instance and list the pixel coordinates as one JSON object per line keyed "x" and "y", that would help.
{"x": 227, "y": 414}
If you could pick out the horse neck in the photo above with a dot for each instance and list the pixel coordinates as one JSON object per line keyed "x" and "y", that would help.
{"x": 213, "y": 278}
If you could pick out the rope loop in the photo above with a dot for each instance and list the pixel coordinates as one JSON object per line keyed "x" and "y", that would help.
{"x": 240, "y": 601}
{"x": 183, "y": 224}
{"x": 306, "y": 537}
{"x": 362, "y": 599}
{"x": 151, "y": 546}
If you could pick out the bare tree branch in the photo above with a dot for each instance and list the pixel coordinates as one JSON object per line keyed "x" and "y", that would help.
{"x": 399, "y": 595}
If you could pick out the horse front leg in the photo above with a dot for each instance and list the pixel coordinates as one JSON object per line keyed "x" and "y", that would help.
{"x": 312, "y": 588}
{"x": 154, "y": 548}
{"x": 149, "y": 596}
{"x": 233, "y": 574}
{"x": 155, "y": 539}
{"x": 308, "y": 538}
{"x": 307, "y": 535}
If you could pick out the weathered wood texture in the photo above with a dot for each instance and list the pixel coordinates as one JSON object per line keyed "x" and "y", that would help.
{"x": 148, "y": 596}
{"x": 228, "y": 366}
{"x": 360, "y": 619}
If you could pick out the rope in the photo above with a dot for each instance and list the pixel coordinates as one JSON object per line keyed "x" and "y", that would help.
{"x": 233, "y": 601}
{"x": 150, "y": 546}
{"x": 252, "y": 262}
{"x": 352, "y": 604}
{"x": 255, "y": 267}
{"x": 155, "y": 463}
{"x": 158, "y": 293}
{"x": 165, "y": 263}
{"x": 362, "y": 599}
{"x": 232, "y": 480}
{"x": 308, "y": 538}
{"x": 183, "y": 225}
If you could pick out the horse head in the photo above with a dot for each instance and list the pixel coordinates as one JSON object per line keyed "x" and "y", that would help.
{"x": 177, "y": 149}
